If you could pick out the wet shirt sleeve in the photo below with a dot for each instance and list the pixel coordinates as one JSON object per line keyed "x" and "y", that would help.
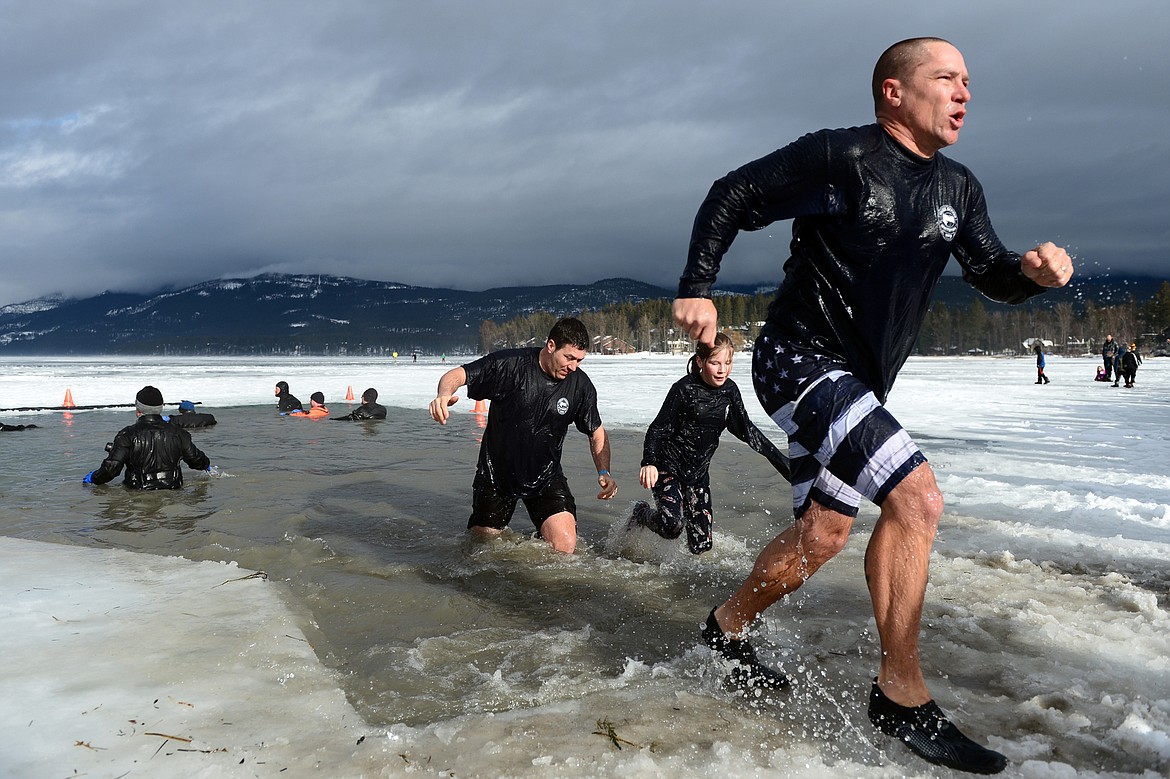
{"x": 191, "y": 453}
{"x": 987, "y": 265}
{"x": 588, "y": 418}
{"x": 491, "y": 375}
{"x": 119, "y": 453}
{"x": 662, "y": 428}
{"x": 787, "y": 183}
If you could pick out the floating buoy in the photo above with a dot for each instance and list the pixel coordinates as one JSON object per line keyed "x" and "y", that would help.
{"x": 480, "y": 407}
{"x": 349, "y": 393}
{"x": 68, "y": 402}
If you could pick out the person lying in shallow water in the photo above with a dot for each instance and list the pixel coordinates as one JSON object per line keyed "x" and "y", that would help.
{"x": 369, "y": 409}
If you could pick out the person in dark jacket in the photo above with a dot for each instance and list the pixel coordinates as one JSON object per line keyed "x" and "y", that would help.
{"x": 369, "y": 409}
{"x": 1130, "y": 360}
{"x": 682, "y": 439}
{"x": 877, "y": 213}
{"x": 150, "y": 450}
{"x": 286, "y": 402}
{"x": 1109, "y": 351}
{"x": 189, "y": 418}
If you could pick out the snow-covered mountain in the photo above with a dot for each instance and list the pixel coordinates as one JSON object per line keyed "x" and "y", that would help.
{"x": 280, "y": 313}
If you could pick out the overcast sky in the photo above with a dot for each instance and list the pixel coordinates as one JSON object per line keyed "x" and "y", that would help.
{"x": 474, "y": 144}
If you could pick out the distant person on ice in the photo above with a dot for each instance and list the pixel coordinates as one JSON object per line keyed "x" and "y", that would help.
{"x": 877, "y": 213}
{"x": 1041, "y": 378}
{"x": 151, "y": 450}
{"x": 286, "y": 402}
{"x": 535, "y": 394}
{"x": 369, "y": 409}
{"x": 682, "y": 439}
{"x": 1130, "y": 360}
{"x": 1109, "y": 351}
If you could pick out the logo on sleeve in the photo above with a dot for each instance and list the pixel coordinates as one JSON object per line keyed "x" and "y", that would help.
{"x": 562, "y": 406}
{"x": 948, "y": 222}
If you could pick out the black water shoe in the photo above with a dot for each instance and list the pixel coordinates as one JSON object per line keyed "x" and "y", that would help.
{"x": 930, "y": 735}
{"x": 640, "y": 517}
{"x": 748, "y": 670}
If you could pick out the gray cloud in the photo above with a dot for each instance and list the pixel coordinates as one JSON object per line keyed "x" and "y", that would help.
{"x": 483, "y": 144}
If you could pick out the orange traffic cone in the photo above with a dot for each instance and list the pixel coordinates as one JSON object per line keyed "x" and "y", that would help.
{"x": 349, "y": 393}
{"x": 480, "y": 407}
{"x": 68, "y": 402}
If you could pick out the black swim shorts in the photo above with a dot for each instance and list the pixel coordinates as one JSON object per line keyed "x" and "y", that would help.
{"x": 493, "y": 509}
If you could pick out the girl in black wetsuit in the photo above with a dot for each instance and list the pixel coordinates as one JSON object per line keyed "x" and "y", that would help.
{"x": 682, "y": 439}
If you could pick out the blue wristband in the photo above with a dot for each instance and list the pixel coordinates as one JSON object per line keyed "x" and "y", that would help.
{"x": 603, "y": 472}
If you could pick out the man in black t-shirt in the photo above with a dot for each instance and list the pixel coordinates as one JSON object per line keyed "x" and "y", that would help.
{"x": 535, "y": 394}
{"x": 876, "y": 212}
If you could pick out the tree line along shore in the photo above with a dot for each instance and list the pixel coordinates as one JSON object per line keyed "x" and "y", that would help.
{"x": 977, "y": 328}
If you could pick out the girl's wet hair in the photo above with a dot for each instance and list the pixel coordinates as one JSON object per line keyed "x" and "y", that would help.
{"x": 704, "y": 351}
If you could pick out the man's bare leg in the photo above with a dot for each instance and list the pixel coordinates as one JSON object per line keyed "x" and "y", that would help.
{"x": 781, "y": 568}
{"x": 785, "y": 564}
{"x": 896, "y": 569}
{"x": 560, "y": 530}
{"x": 485, "y": 533}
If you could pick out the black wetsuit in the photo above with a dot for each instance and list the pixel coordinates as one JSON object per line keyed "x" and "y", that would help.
{"x": 683, "y": 438}
{"x": 873, "y": 227}
{"x": 286, "y": 401}
{"x": 192, "y": 420}
{"x": 527, "y": 419}
{"x": 150, "y": 450}
{"x": 365, "y": 411}
{"x": 680, "y": 443}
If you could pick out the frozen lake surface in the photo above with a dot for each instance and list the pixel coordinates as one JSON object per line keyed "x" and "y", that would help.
{"x": 384, "y": 643}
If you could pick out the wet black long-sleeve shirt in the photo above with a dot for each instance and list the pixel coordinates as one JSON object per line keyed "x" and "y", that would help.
{"x": 683, "y": 438}
{"x": 873, "y": 227}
